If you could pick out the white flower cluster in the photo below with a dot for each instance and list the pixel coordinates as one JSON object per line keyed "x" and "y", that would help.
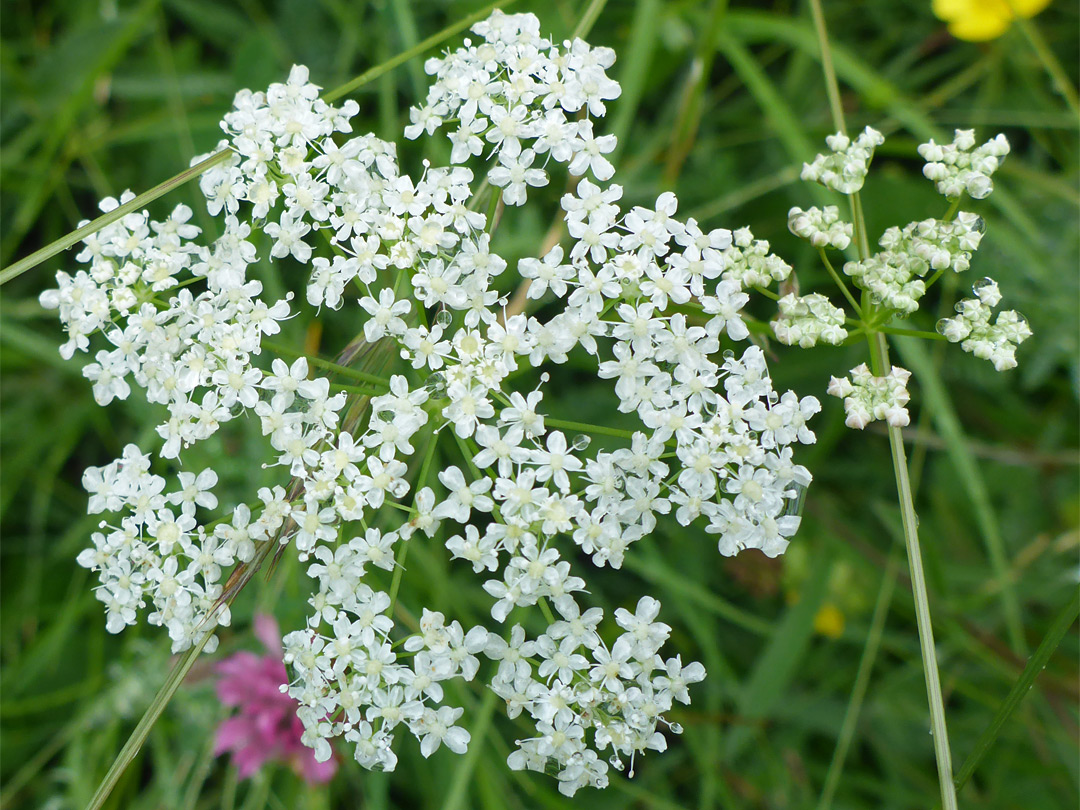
{"x": 650, "y": 297}
{"x": 961, "y": 167}
{"x": 894, "y": 276}
{"x": 158, "y": 552}
{"x": 821, "y": 227}
{"x": 868, "y": 398}
{"x": 808, "y": 320}
{"x": 971, "y": 327}
{"x": 748, "y": 262}
{"x": 518, "y": 95}
{"x": 845, "y": 169}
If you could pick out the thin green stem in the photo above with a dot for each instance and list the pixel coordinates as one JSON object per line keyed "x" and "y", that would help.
{"x": 142, "y": 200}
{"x": 456, "y": 794}
{"x": 767, "y": 292}
{"x": 359, "y": 389}
{"x": 493, "y": 210}
{"x": 421, "y": 479}
{"x": 840, "y": 282}
{"x": 545, "y": 608}
{"x": 419, "y": 48}
{"x": 880, "y": 360}
{"x": 862, "y": 241}
{"x": 77, "y": 235}
{"x": 832, "y": 88}
{"x": 344, "y": 371}
{"x": 954, "y": 206}
{"x": 879, "y": 357}
{"x": 585, "y": 427}
{"x": 588, "y": 19}
{"x": 918, "y": 333}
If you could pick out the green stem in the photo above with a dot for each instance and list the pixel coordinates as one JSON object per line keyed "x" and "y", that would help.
{"x": 359, "y": 389}
{"x": 954, "y": 206}
{"x": 832, "y": 88}
{"x": 455, "y": 796}
{"x": 584, "y": 427}
{"x": 493, "y": 209}
{"x": 880, "y": 360}
{"x": 767, "y": 292}
{"x": 419, "y": 48}
{"x": 344, "y": 371}
{"x": 142, "y": 200}
{"x": 840, "y": 282}
{"x": 421, "y": 479}
{"x": 588, "y": 19}
{"x": 76, "y": 236}
{"x": 918, "y": 333}
{"x": 862, "y": 241}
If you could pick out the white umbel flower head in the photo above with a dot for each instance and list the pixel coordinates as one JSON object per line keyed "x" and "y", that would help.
{"x": 821, "y": 227}
{"x": 845, "y": 169}
{"x": 868, "y": 398}
{"x": 972, "y": 329}
{"x": 960, "y": 168}
{"x": 808, "y": 320}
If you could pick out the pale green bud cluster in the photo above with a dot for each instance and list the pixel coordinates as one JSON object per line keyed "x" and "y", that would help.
{"x": 845, "y": 169}
{"x": 894, "y": 276}
{"x": 960, "y": 168}
{"x": 972, "y": 329}
{"x": 808, "y": 320}
{"x": 749, "y": 262}
{"x": 868, "y": 398}
{"x": 821, "y": 227}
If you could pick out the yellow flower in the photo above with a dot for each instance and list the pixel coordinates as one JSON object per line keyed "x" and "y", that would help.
{"x": 980, "y": 20}
{"x": 829, "y": 621}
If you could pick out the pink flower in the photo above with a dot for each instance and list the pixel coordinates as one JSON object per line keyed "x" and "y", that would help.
{"x": 266, "y": 727}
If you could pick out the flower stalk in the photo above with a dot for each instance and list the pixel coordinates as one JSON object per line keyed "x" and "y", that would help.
{"x": 880, "y": 356}
{"x": 879, "y": 353}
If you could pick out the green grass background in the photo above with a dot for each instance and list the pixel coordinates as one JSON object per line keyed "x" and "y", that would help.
{"x": 720, "y": 105}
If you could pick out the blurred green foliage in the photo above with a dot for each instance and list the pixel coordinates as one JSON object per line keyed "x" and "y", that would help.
{"x": 719, "y": 104}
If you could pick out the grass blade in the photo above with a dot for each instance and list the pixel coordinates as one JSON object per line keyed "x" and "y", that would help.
{"x": 138, "y": 736}
{"x": 862, "y": 680}
{"x": 1062, "y": 622}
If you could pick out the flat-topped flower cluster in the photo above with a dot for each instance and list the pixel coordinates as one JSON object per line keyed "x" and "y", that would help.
{"x": 654, "y": 301}
{"x": 652, "y": 298}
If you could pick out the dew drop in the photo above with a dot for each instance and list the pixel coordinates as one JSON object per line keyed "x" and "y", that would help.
{"x": 794, "y": 505}
{"x": 580, "y": 442}
{"x": 443, "y": 318}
